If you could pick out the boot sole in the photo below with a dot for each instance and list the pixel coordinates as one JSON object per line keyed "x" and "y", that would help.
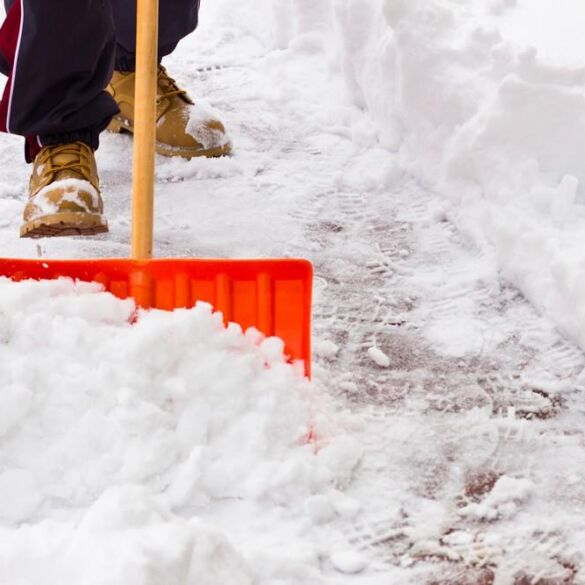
{"x": 119, "y": 127}
{"x": 64, "y": 224}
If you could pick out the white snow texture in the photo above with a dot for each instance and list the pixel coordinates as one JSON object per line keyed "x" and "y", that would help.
{"x": 175, "y": 450}
{"x": 492, "y": 123}
{"x": 114, "y": 436}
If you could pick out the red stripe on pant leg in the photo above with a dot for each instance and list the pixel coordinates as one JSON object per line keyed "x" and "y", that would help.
{"x": 4, "y": 106}
{"x": 9, "y": 34}
{"x": 31, "y": 148}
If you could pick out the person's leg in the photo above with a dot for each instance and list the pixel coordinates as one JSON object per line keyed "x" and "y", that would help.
{"x": 184, "y": 128}
{"x": 177, "y": 18}
{"x": 59, "y": 57}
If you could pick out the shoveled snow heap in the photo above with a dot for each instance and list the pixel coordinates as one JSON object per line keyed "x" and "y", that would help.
{"x": 119, "y": 441}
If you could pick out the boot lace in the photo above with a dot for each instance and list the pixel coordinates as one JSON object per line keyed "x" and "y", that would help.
{"x": 167, "y": 85}
{"x": 79, "y": 164}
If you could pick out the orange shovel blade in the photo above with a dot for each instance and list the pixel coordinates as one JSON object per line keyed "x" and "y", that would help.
{"x": 272, "y": 295}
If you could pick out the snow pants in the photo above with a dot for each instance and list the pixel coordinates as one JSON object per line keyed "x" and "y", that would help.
{"x": 59, "y": 55}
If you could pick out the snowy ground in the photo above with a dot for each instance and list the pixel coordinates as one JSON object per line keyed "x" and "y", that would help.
{"x": 454, "y": 406}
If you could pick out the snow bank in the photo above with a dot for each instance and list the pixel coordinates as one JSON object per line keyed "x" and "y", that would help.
{"x": 117, "y": 442}
{"x": 494, "y": 126}
{"x": 498, "y": 132}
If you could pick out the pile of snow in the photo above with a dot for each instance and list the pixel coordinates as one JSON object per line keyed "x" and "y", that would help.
{"x": 120, "y": 443}
{"x": 497, "y": 127}
{"x": 503, "y": 501}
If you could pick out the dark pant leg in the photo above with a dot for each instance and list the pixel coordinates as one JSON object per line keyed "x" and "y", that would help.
{"x": 59, "y": 57}
{"x": 177, "y": 19}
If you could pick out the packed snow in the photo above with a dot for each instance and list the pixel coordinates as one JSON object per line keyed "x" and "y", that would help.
{"x": 426, "y": 156}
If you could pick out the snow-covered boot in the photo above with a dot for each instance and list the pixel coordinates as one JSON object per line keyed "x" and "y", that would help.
{"x": 183, "y": 128}
{"x": 64, "y": 196}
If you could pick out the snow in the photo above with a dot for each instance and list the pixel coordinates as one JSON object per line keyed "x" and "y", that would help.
{"x": 505, "y": 499}
{"x": 349, "y": 562}
{"x": 126, "y": 536}
{"x": 326, "y": 349}
{"x": 379, "y": 357}
{"x": 198, "y": 126}
{"x": 465, "y": 100}
{"x": 426, "y": 155}
{"x": 44, "y": 205}
{"x": 118, "y": 436}
{"x": 554, "y": 33}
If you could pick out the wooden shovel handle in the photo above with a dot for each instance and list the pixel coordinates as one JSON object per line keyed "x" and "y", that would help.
{"x": 144, "y": 129}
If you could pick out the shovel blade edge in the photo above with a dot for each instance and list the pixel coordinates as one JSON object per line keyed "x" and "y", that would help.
{"x": 274, "y": 296}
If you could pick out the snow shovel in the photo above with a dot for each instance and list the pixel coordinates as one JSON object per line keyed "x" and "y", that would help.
{"x": 272, "y": 295}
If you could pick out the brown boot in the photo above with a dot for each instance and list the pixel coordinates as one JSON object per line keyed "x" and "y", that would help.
{"x": 183, "y": 128}
{"x": 64, "y": 195}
